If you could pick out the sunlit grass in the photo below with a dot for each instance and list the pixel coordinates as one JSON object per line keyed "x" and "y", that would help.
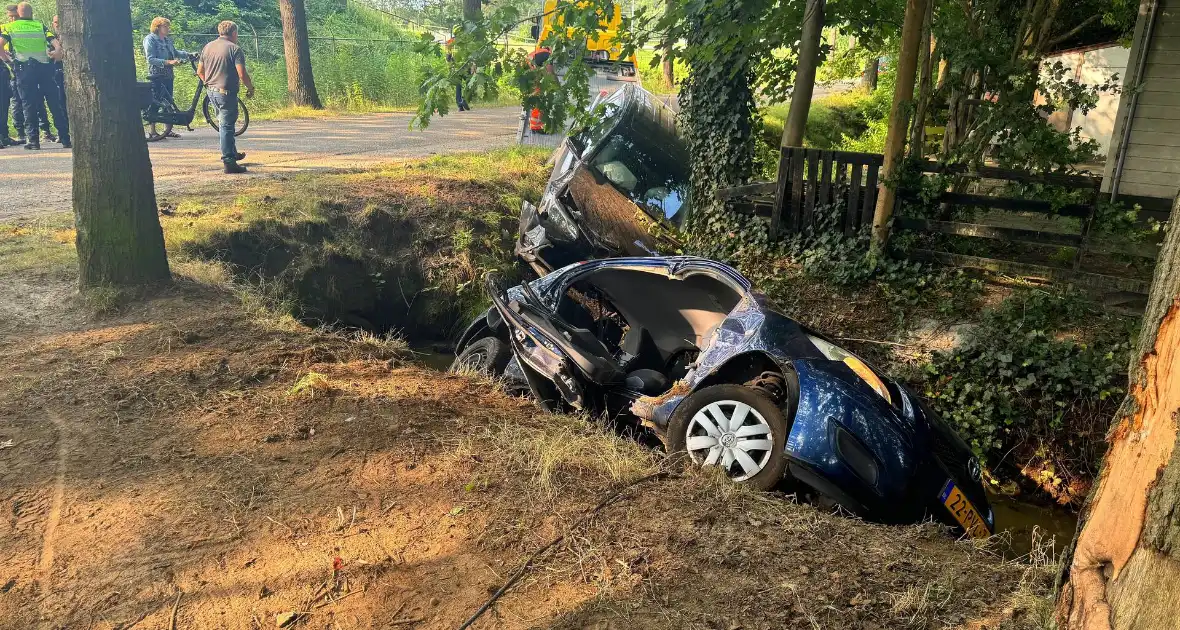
{"x": 45, "y": 245}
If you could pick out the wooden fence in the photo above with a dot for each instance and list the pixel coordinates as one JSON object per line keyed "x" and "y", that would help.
{"x": 811, "y": 178}
{"x": 807, "y": 181}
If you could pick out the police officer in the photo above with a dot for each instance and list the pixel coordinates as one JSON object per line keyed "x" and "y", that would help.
{"x": 59, "y": 71}
{"x": 33, "y": 48}
{"x": 5, "y": 102}
{"x": 17, "y": 106}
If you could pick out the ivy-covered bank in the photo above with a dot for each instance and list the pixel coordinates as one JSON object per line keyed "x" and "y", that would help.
{"x": 1030, "y": 376}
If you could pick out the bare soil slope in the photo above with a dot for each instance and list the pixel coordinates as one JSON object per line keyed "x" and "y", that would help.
{"x": 193, "y": 458}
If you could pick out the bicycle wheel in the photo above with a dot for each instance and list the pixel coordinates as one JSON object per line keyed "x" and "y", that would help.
{"x": 210, "y": 111}
{"x": 243, "y": 118}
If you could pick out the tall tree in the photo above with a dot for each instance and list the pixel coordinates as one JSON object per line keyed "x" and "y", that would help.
{"x": 1124, "y": 568}
{"x": 813, "y": 26}
{"x": 903, "y": 94}
{"x": 472, "y": 9}
{"x": 119, "y": 239}
{"x": 297, "y": 51}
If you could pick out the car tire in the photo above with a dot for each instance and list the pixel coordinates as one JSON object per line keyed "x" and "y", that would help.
{"x": 487, "y": 355}
{"x": 754, "y": 449}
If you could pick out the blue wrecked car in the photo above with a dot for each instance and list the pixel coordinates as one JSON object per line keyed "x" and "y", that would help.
{"x": 685, "y": 348}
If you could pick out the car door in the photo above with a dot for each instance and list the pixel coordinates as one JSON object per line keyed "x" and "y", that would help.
{"x": 536, "y": 343}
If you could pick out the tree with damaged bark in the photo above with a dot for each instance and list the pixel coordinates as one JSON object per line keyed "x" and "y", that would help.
{"x": 1123, "y": 570}
{"x": 809, "y": 58}
{"x": 297, "y": 52}
{"x": 119, "y": 240}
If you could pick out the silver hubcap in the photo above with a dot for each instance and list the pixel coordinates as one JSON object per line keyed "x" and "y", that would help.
{"x": 732, "y": 435}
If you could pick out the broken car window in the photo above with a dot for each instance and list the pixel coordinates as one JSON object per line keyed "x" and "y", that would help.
{"x": 649, "y": 176}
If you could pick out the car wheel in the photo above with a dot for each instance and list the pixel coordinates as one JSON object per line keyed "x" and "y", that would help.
{"x": 487, "y": 355}
{"x": 734, "y": 427}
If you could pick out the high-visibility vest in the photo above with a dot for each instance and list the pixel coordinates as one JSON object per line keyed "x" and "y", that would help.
{"x": 27, "y": 40}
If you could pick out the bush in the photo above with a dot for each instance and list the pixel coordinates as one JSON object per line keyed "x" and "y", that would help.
{"x": 1024, "y": 374}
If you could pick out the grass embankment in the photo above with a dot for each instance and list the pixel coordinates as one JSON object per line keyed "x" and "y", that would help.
{"x": 202, "y": 443}
{"x": 403, "y": 247}
{"x": 848, "y": 121}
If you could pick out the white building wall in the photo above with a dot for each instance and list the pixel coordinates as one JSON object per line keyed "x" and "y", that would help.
{"x": 1093, "y": 67}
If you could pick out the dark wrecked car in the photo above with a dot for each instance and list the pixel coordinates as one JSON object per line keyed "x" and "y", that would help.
{"x": 684, "y": 347}
{"x": 619, "y": 188}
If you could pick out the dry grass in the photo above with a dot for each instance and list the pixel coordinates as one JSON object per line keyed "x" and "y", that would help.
{"x": 295, "y": 112}
{"x": 561, "y": 449}
{"x": 256, "y": 439}
{"x": 42, "y": 245}
{"x": 216, "y": 447}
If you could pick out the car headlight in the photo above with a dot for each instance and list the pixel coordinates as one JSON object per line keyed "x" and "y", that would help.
{"x": 854, "y": 363}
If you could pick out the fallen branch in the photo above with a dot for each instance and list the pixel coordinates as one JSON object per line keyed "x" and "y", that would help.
{"x": 402, "y": 622}
{"x": 884, "y": 343}
{"x": 528, "y": 563}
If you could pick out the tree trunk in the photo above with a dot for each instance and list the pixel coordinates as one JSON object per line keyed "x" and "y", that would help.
{"x": 925, "y": 88}
{"x": 668, "y": 67}
{"x": 813, "y": 26}
{"x": 472, "y": 10}
{"x": 903, "y": 93}
{"x": 868, "y": 80}
{"x": 119, "y": 239}
{"x": 300, "y": 82}
{"x": 1123, "y": 570}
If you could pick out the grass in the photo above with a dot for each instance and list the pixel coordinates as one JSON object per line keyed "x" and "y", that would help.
{"x": 848, "y": 121}
{"x": 45, "y": 245}
{"x": 652, "y": 77}
{"x": 401, "y": 246}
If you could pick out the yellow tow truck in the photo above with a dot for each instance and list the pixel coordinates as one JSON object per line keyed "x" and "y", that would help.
{"x": 605, "y": 53}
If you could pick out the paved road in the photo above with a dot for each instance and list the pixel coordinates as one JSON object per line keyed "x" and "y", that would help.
{"x": 35, "y": 183}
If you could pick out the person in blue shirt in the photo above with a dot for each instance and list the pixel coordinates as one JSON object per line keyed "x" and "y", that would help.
{"x": 162, "y": 56}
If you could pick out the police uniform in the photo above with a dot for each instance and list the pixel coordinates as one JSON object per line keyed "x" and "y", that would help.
{"x": 5, "y": 103}
{"x": 7, "y": 96}
{"x": 27, "y": 41}
{"x": 10, "y": 101}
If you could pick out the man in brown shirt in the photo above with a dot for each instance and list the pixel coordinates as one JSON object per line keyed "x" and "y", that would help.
{"x": 223, "y": 69}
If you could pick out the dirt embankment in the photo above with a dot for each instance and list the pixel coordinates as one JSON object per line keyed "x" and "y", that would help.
{"x": 400, "y": 248}
{"x": 192, "y": 448}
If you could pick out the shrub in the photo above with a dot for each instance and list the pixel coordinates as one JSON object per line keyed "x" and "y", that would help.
{"x": 1023, "y": 374}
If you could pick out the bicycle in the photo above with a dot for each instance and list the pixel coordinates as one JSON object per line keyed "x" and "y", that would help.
{"x": 166, "y": 112}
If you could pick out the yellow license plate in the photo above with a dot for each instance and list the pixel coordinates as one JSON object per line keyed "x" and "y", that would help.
{"x": 965, "y": 513}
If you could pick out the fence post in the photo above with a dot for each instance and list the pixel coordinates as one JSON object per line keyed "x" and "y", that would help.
{"x": 780, "y": 192}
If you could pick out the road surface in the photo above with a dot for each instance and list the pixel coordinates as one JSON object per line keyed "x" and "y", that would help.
{"x": 38, "y": 183}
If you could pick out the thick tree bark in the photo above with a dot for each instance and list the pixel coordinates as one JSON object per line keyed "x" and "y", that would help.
{"x": 813, "y": 26}
{"x": 472, "y": 10}
{"x": 1124, "y": 568}
{"x": 300, "y": 82}
{"x": 903, "y": 94}
{"x": 868, "y": 80}
{"x": 119, "y": 240}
